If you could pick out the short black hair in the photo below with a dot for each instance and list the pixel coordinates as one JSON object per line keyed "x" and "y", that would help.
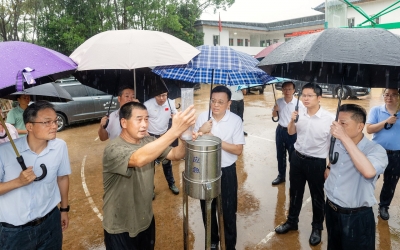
{"x": 359, "y": 113}
{"x": 126, "y": 110}
{"x": 287, "y": 83}
{"x": 398, "y": 90}
{"x": 123, "y": 87}
{"x": 222, "y": 89}
{"x": 31, "y": 111}
{"x": 311, "y": 85}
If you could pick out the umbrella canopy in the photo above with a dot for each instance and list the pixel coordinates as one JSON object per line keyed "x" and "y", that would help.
{"x": 131, "y": 49}
{"x": 217, "y": 65}
{"x": 49, "y": 91}
{"x": 276, "y": 80}
{"x": 47, "y": 65}
{"x": 263, "y": 53}
{"x": 360, "y": 57}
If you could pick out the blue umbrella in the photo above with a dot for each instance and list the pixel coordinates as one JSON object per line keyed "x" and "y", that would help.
{"x": 217, "y": 65}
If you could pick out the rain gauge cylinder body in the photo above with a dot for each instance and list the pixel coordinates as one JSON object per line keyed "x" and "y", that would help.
{"x": 202, "y": 180}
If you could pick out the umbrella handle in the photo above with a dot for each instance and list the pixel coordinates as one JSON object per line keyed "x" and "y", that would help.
{"x": 277, "y": 119}
{"x": 333, "y": 158}
{"x": 21, "y": 162}
{"x": 297, "y": 107}
{"x": 388, "y": 125}
{"x": 106, "y": 125}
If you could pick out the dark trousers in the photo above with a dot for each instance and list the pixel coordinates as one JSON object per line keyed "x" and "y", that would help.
{"x": 350, "y": 231}
{"x": 390, "y": 179}
{"x": 45, "y": 236}
{"x": 167, "y": 168}
{"x": 145, "y": 240}
{"x": 237, "y": 107}
{"x": 284, "y": 143}
{"x": 229, "y": 188}
{"x": 311, "y": 171}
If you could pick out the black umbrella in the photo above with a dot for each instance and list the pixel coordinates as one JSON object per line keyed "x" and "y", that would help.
{"x": 360, "y": 57}
{"x": 51, "y": 92}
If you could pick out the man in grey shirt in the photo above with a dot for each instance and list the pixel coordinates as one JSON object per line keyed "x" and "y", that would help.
{"x": 351, "y": 182}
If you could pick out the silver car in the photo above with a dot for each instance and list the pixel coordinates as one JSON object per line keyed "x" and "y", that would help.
{"x": 88, "y": 104}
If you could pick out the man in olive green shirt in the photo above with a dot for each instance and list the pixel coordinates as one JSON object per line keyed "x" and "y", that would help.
{"x": 128, "y": 176}
{"x": 14, "y": 117}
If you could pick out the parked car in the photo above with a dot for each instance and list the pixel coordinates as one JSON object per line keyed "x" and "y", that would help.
{"x": 333, "y": 89}
{"x": 88, "y": 104}
{"x": 259, "y": 88}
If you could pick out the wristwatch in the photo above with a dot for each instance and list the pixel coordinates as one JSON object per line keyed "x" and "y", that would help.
{"x": 64, "y": 209}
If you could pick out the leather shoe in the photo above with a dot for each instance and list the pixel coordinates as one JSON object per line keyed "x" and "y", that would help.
{"x": 285, "y": 227}
{"x": 315, "y": 237}
{"x": 384, "y": 213}
{"x": 245, "y": 134}
{"x": 174, "y": 189}
{"x": 278, "y": 180}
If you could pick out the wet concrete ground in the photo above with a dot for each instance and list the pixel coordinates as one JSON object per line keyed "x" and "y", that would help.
{"x": 261, "y": 206}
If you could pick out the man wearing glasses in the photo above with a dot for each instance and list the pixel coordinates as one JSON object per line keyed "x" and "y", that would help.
{"x": 308, "y": 162}
{"x": 161, "y": 109}
{"x": 284, "y": 142}
{"x": 229, "y": 128}
{"x": 29, "y": 216}
{"x": 383, "y": 124}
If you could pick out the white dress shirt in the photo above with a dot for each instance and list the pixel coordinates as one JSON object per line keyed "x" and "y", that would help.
{"x": 286, "y": 110}
{"x": 159, "y": 115}
{"x": 114, "y": 127}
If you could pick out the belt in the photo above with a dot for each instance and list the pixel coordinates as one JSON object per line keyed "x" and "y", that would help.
{"x": 343, "y": 210}
{"x": 33, "y": 223}
{"x": 306, "y": 157}
{"x": 156, "y": 136}
{"x": 391, "y": 152}
{"x": 282, "y": 127}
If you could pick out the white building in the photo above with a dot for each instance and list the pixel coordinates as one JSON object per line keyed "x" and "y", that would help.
{"x": 251, "y": 38}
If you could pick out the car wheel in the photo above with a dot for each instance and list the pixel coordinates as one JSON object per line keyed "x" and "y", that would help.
{"x": 344, "y": 94}
{"x": 62, "y": 122}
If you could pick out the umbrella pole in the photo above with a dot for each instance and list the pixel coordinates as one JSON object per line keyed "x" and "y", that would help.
{"x": 209, "y": 107}
{"x": 134, "y": 80}
{"x": 277, "y": 113}
{"x": 334, "y": 157}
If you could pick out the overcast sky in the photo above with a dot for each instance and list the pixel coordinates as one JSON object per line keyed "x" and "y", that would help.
{"x": 264, "y": 11}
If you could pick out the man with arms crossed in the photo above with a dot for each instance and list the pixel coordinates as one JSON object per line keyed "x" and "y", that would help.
{"x": 29, "y": 217}
{"x": 284, "y": 142}
{"x": 308, "y": 161}
{"x": 351, "y": 182}
{"x": 128, "y": 176}
{"x": 160, "y": 109}
{"x": 229, "y": 128}
{"x": 389, "y": 139}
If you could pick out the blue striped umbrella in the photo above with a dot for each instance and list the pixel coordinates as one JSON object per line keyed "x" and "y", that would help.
{"x": 217, "y": 65}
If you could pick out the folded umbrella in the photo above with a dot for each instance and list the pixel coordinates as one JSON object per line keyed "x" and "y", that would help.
{"x": 51, "y": 92}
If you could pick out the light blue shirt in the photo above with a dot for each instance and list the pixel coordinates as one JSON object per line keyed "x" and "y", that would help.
{"x": 390, "y": 138}
{"x": 345, "y": 185}
{"x": 38, "y": 198}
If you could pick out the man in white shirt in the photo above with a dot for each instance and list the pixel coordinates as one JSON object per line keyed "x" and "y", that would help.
{"x": 229, "y": 128}
{"x": 160, "y": 110}
{"x": 113, "y": 129}
{"x": 284, "y": 108}
{"x": 308, "y": 161}
{"x": 237, "y": 103}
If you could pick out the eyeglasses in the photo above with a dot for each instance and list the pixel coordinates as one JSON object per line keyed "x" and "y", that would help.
{"x": 307, "y": 96}
{"x": 390, "y": 96}
{"x": 287, "y": 89}
{"x": 48, "y": 123}
{"x": 217, "y": 102}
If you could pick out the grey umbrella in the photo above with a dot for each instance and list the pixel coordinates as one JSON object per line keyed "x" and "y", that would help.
{"x": 361, "y": 57}
{"x": 51, "y": 92}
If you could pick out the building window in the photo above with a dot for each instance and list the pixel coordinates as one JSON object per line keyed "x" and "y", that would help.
{"x": 230, "y": 41}
{"x": 262, "y": 43}
{"x": 350, "y": 22}
{"x": 246, "y": 42}
{"x": 276, "y": 40}
{"x": 268, "y": 43}
{"x": 239, "y": 42}
{"x": 215, "y": 40}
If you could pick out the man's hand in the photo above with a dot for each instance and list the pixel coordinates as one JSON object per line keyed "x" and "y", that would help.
{"x": 276, "y": 108}
{"x": 195, "y": 135}
{"x": 103, "y": 121}
{"x": 294, "y": 115}
{"x": 27, "y": 176}
{"x": 392, "y": 119}
{"x": 183, "y": 120}
{"x": 326, "y": 173}
{"x": 206, "y": 127}
{"x": 338, "y": 131}
{"x": 64, "y": 221}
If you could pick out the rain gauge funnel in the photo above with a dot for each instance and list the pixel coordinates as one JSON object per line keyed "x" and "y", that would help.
{"x": 202, "y": 180}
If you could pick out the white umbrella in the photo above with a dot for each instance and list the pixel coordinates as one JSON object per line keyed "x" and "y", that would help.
{"x": 132, "y": 49}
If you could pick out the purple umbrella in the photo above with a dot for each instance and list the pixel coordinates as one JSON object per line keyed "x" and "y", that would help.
{"x": 23, "y": 64}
